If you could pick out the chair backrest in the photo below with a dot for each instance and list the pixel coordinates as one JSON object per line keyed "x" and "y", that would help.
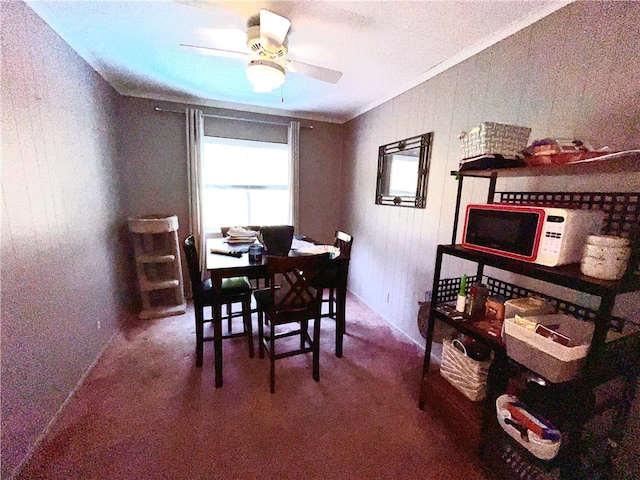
{"x": 191, "y": 254}
{"x": 225, "y": 230}
{"x": 277, "y": 239}
{"x": 343, "y": 241}
{"x": 293, "y": 294}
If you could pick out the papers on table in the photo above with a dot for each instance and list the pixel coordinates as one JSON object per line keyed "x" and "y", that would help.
{"x": 309, "y": 248}
{"x": 241, "y": 235}
{"x": 296, "y": 244}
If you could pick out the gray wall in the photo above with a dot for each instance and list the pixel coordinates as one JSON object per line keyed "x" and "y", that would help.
{"x": 573, "y": 74}
{"x": 154, "y": 166}
{"x": 61, "y": 263}
{"x": 155, "y": 179}
{"x": 78, "y": 159}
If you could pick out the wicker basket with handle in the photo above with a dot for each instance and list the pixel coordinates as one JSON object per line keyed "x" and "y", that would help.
{"x": 469, "y": 376}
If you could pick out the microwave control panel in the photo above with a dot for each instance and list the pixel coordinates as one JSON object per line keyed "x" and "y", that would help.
{"x": 552, "y": 234}
{"x": 564, "y": 234}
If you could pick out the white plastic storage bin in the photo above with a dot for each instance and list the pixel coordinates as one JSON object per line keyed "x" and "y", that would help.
{"x": 527, "y": 306}
{"x": 554, "y": 361}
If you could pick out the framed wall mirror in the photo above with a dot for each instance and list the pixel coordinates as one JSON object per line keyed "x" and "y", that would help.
{"x": 403, "y": 169}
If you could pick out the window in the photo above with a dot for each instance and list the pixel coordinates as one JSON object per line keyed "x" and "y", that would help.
{"x": 404, "y": 171}
{"x": 245, "y": 183}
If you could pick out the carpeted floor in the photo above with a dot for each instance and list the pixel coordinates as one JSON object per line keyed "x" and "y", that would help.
{"x": 146, "y": 411}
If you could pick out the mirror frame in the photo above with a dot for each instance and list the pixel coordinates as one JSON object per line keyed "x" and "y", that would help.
{"x": 422, "y": 142}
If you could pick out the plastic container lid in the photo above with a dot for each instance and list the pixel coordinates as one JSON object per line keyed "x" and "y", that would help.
{"x": 607, "y": 241}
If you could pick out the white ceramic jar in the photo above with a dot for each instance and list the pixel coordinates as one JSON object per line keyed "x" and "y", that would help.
{"x": 605, "y": 257}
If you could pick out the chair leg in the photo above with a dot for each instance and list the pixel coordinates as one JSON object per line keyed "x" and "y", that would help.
{"x": 304, "y": 333}
{"x": 344, "y": 326}
{"x": 272, "y": 353}
{"x": 199, "y": 310}
{"x": 260, "y": 335}
{"x": 316, "y": 349}
{"x": 217, "y": 342}
{"x": 246, "y": 316}
{"x": 229, "y": 318}
{"x": 341, "y": 294}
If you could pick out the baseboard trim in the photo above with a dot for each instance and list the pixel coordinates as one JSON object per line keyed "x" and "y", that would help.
{"x": 395, "y": 327}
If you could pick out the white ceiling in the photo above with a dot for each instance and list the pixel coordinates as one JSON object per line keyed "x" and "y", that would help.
{"x": 383, "y": 48}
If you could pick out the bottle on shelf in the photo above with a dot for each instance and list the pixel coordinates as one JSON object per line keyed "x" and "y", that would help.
{"x": 462, "y": 295}
{"x": 478, "y": 295}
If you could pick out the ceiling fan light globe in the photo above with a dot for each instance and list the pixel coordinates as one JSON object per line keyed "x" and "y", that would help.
{"x": 265, "y": 75}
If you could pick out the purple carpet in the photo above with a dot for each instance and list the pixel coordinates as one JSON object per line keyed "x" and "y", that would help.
{"x": 146, "y": 411}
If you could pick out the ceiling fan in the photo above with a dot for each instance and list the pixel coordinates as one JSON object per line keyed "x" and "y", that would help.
{"x": 267, "y": 50}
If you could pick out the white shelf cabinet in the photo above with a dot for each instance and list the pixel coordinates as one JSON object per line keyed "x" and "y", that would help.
{"x": 158, "y": 266}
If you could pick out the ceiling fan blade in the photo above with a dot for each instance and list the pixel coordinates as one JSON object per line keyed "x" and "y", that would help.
{"x": 273, "y": 30}
{"x": 319, "y": 73}
{"x": 215, "y": 51}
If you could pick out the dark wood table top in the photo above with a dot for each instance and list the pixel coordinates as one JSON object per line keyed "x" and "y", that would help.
{"x": 222, "y": 266}
{"x": 225, "y": 265}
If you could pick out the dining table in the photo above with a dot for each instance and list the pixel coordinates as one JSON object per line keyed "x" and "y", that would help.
{"x": 225, "y": 260}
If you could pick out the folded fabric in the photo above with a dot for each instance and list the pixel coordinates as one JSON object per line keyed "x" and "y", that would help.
{"x": 237, "y": 240}
{"x": 318, "y": 250}
{"x": 241, "y": 232}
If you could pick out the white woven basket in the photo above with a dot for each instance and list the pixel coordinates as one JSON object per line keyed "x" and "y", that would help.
{"x": 469, "y": 376}
{"x": 539, "y": 447}
{"x": 494, "y": 138}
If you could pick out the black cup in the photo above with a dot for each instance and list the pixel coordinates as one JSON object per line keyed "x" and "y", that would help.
{"x": 255, "y": 253}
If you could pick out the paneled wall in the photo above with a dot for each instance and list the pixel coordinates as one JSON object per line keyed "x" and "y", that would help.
{"x": 60, "y": 219}
{"x": 573, "y": 74}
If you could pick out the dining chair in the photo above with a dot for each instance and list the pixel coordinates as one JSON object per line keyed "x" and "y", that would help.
{"x": 336, "y": 272}
{"x": 233, "y": 290}
{"x": 290, "y": 298}
{"x": 277, "y": 239}
{"x": 255, "y": 281}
